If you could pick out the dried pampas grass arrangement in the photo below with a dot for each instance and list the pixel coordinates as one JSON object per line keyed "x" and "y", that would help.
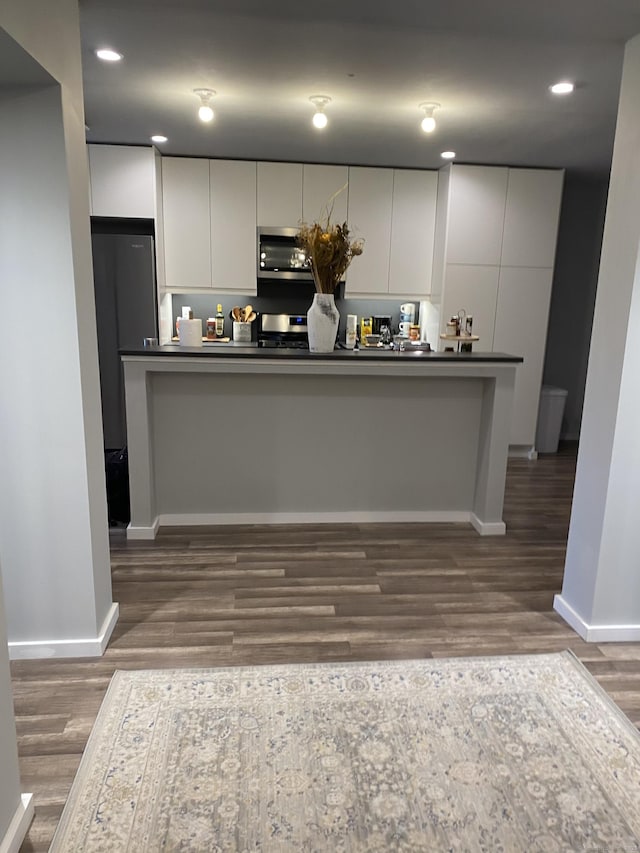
{"x": 329, "y": 250}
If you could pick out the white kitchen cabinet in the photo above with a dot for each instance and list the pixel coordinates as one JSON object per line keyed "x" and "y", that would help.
{"x": 531, "y": 217}
{"x": 370, "y": 206}
{"x": 524, "y": 295}
{"x": 474, "y": 289}
{"x": 477, "y": 198}
{"x": 279, "y": 194}
{"x": 122, "y": 181}
{"x": 502, "y": 221}
{"x": 413, "y": 219}
{"x": 233, "y": 225}
{"x": 324, "y": 192}
{"x": 187, "y": 227}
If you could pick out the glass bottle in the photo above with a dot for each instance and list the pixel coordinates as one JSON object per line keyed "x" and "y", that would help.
{"x": 219, "y": 322}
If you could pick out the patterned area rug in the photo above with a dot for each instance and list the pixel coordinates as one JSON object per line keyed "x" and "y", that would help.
{"x": 508, "y": 754}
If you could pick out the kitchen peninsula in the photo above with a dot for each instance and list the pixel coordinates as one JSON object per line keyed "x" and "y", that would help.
{"x": 248, "y": 436}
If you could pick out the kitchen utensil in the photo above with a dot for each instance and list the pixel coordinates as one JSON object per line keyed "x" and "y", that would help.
{"x": 252, "y": 316}
{"x": 245, "y": 313}
{"x": 236, "y": 313}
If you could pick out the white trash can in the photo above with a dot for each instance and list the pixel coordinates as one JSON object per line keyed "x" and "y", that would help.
{"x": 550, "y": 414}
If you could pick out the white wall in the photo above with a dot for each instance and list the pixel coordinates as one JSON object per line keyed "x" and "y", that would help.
{"x": 9, "y": 777}
{"x": 53, "y": 518}
{"x": 601, "y": 589}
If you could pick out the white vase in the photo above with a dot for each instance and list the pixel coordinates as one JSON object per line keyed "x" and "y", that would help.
{"x": 322, "y": 323}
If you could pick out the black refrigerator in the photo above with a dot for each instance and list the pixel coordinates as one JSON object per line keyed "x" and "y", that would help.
{"x": 126, "y": 313}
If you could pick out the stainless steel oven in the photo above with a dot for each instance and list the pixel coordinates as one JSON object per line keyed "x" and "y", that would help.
{"x": 279, "y": 256}
{"x": 283, "y": 330}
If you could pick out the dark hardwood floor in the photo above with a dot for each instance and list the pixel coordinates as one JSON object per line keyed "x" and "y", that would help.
{"x": 258, "y": 595}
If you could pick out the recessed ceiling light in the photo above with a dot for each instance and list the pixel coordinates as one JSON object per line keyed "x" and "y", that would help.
{"x": 564, "y": 87}
{"x": 448, "y": 155}
{"x": 108, "y": 55}
{"x": 159, "y": 139}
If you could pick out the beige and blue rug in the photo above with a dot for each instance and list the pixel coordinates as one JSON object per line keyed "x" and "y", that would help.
{"x": 506, "y": 754}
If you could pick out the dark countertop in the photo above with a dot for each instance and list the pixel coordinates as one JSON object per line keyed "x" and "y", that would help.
{"x": 249, "y": 351}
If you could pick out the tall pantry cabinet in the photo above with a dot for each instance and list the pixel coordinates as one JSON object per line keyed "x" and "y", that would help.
{"x": 495, "y": 250}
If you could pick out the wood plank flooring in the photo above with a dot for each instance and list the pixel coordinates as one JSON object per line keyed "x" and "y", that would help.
{"x": 257, "y": 595}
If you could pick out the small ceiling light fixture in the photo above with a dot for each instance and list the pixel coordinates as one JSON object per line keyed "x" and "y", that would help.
{"x": 448, "y": 155}
{"x": 428, "y": 123}
{"x": 320, "y": 102}
{"x": 205, "y": 113}
{"x": 564, "y": 87}
{"x": 159, "y": 138}
{"x": 108, "y": 55}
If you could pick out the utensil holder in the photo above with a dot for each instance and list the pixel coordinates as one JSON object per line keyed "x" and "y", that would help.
{"x": 241, "y": 332}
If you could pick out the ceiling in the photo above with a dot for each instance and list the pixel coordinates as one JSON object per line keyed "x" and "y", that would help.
{"x": 487, "y": 62}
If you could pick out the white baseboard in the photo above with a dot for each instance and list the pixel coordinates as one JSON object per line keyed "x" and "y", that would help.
{"x": 139, "y": 532}
{"x": 19, "y": 825}
{"x": 523, "y": 451}
{"x": 595, "y": 633}
{"x": 213, "y": 519}
{"x": 91, "y": 647}
{"x": 359, "y": 517}
{"x": 488, "y": 528}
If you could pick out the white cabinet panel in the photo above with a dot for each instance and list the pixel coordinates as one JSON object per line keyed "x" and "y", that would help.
{"x": 187, "y": 230}
{"x": 531, "y": 217}
{"x": 279, "y": 194}
{"x": 521, "y": 329}
{"x": 477, "y": 196}
{"x": 233, "y": 225}
{"x": 475, "y": 289}
{"x": 370, "y": 203}
{"x": 122, "y": 181}
{"x": 320, "y": 183}
{"x": 412, "y": 231}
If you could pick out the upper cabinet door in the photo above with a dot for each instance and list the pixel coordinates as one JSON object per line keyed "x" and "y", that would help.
{"x": 325, "y": 192}
{"x": 122, "y": 181}
{"x": 279, "y": 194}
{"x": 477, "y": 197}
{"x": 531, "y": 217}
{"x": 233, "y": 225}
{"x": 187, "y": 229}
{"x": 370, "y": 204}
{"x": 412, "y": 231}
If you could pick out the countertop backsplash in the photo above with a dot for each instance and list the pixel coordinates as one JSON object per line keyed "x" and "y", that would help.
{"x": 288, "y": 298}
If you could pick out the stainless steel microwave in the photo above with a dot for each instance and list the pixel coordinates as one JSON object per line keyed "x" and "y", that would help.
{"x": 279, "y": 256}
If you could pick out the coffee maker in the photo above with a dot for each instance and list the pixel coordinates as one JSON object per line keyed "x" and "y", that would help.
{"x": 378, "y": 321}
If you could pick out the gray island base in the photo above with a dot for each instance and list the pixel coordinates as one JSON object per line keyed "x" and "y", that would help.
{"x": 248, "y": 437}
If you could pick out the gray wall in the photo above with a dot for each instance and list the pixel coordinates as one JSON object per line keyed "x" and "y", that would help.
{"x": 574, "y": 290}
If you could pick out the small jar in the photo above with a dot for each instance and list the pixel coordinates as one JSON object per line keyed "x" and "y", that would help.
{"x": 452, "y": 329}
{"x": 211, "y": 328}
{"x": 414, "y": 333}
